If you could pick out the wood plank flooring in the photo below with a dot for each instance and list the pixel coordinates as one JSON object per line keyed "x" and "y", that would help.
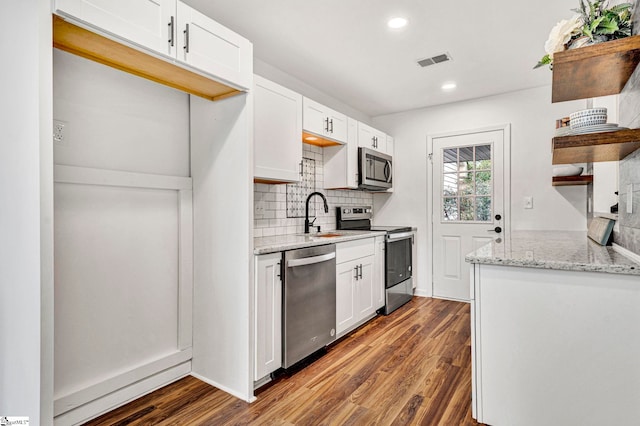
{"x": 412, "y": 367}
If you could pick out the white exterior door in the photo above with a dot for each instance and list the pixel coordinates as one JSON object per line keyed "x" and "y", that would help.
{"x": 468, "y": 205}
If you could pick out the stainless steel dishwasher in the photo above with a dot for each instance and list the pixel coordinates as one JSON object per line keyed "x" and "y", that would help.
{"x": 309, "y": 301}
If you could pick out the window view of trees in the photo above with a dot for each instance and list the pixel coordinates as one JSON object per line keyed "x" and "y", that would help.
{"x": 467, "y": 185}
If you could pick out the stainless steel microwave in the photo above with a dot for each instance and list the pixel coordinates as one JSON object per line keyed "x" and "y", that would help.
{"x": 375, "y": 170}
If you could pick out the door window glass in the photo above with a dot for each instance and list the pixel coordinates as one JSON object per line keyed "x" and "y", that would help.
{"x": 467, "y": 189}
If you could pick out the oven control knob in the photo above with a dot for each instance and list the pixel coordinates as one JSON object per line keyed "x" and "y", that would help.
{"x": 346, "y": 211}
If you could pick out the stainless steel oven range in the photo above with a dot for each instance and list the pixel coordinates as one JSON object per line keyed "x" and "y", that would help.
{"x": 398, "y": 253}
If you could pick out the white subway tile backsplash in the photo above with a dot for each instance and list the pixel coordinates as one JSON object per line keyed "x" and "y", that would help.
{"x": 275, "y": 221}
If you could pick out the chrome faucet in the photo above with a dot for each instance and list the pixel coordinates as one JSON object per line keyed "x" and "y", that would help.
{"x": 306, "y": 212}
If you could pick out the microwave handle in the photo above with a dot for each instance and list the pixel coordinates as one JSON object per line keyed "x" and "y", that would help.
{"x": 387, "y": 171}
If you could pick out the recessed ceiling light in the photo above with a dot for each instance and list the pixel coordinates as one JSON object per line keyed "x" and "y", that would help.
{"x": 310, "y": 138}
{"x": 396, "y": 23}
{"x": 449, "y": 85}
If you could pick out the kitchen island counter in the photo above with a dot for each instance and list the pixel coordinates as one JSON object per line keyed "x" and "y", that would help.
{"x": 559, "y": 250}
{"x": 264, "y": 245}
{"x": 555, "y": 331}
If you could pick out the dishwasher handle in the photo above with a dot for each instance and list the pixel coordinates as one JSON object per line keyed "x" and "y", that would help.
{"x": 291, "y": 263}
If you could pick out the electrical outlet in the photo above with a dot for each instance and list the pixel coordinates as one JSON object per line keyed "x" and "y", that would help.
{"x": 259, "y": 208}
{"x": 60, "y": 132}
{"x": 528, "y": 202}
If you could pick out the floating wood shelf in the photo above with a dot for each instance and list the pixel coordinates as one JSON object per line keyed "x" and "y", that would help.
{"x": 572, "y": 180}
{"x": 598, "y": 70}
{"x": 89, "y": 45}
{"x": 595, "y": 147}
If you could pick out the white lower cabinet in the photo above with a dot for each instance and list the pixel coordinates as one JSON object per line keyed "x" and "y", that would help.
{"x": 357, "y": 284}
{"x": 268, "y": 314}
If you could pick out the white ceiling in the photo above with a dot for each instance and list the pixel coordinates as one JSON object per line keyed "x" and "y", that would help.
{"x": 344, "y": 48}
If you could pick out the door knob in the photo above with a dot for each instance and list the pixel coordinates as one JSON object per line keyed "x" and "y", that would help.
{"x": 498, "y": 217}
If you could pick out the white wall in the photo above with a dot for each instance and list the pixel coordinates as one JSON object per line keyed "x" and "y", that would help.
{"x": 278, "y": 76}
{"x": 222, "y": 170}
{"x": 532, "y": 117}
{"x": 26, "y": 283}
{"x": 118, "y": 121}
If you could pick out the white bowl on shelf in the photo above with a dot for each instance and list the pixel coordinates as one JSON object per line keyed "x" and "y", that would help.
{"x": 587, "y": 113}
{"x": 567, "y": 170}
{"x": 589, "y": 120}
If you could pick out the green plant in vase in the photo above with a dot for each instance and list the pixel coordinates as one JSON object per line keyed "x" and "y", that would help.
{"x": 594, "y": 22}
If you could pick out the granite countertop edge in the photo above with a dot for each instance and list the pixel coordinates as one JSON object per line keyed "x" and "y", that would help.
{"x": 544, "y": 248}
{"x": 274, "y": 244}
{"x": 556, "y": 265}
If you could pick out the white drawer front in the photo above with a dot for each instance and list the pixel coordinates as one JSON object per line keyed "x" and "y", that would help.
{"x": 355, "y": 249}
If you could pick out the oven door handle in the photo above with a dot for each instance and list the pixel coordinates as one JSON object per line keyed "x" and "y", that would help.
{"x": 399, "y": 236}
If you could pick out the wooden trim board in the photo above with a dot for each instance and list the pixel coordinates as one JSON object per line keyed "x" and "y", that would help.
{"x": 82, "y": 42}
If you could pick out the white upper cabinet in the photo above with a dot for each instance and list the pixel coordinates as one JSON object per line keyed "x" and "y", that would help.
{"x": 371, "y": 138}
{"x": 324, "y": 122}
{"x": 213, "y": 48}
{"x": 169, "y": 29}
{"x": 341, "y": 162}
{"x": 390, "y": 145}
{"x": 277, "y": 132}
{"x": 142, "y": 22}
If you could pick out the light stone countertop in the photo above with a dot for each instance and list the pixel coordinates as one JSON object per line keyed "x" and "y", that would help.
{"x": 264, "y": 245}
{"x": 570, "y": 251}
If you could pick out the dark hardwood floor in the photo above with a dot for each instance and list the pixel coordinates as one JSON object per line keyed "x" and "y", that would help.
{"x": 409, "y": 368}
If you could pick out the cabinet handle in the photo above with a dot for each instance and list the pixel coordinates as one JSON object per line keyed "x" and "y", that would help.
{"x": 326, "y": 124}
{"x": 331, "y": 126}
{"x": 171, "y": 23}
{"x": 360, "y": 271}
{"x": 301, "y": 170}
{"x": 374, "y": 141}
{"x": 279, "y": 274}
{"x": 356, "y": 276}
{"x": 186, "y": 39}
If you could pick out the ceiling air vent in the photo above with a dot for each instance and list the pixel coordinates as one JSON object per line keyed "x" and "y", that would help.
{"x": 444, "y": 57}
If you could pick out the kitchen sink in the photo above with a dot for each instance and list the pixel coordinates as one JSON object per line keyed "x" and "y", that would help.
{"x": 328, "y": 235}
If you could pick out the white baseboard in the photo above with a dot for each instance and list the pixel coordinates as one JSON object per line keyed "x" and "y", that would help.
{"x": 122, "y": 396}
{"x": 421, "y": 293}
{"x": 224, "y": 388}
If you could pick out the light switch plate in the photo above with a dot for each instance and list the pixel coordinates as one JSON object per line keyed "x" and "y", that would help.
{"x": 528, "y": 202}
{"x": 630, "y": 198}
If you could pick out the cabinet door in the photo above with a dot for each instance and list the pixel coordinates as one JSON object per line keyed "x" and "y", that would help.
{"x": 366, "y": 293}
{"x": 368, "y": 137}
{"x": 337, "y": 126}
{"x": 268, "y": 315}
{"x": 213, "y": 48}
{"x": 314, "y": 117}
{"x": 378, "y": 273}
{"x": 346, "y": 314}
{"x": 277, "y": 132}
{"x": 389, "y": 146}
{"x": 341, "y": 162}
{"x": 365, "y": 136}
{"x": 142, "y": 22}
